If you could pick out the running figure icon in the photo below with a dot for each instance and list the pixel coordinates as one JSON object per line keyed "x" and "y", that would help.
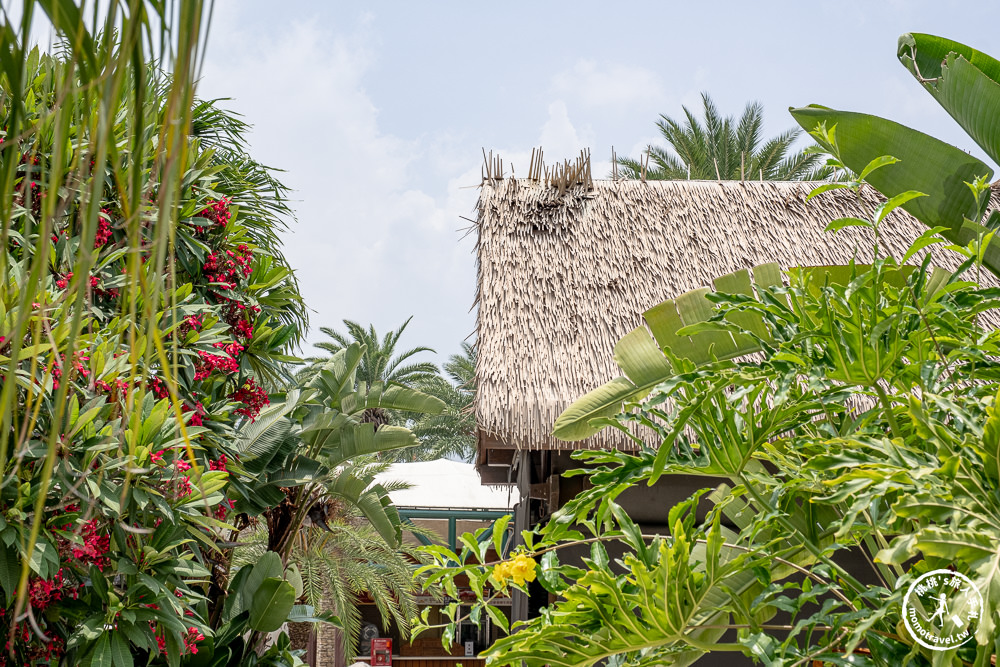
{"x": 942, "y": 608}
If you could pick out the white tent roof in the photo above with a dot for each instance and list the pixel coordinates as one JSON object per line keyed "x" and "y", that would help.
{"x": 445, "y": 484}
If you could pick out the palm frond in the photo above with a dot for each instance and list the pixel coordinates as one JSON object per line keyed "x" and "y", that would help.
{"x": 716, "y": 146}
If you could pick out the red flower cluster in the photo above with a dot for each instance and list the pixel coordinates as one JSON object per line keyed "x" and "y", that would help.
{"x": 220, "y": 464}
{"x": 226, "y": 268}
{"x": 103, "y": 234}
{"x": 50, "y": 651}
{"x": 222, "y": 511}
{"x": 179, "y": 487}
{"x": 193, "y": 636}
{"x": 253, "y": 398}
{"x": 61, "y": 283}
{"x": 158, "y": 387}
{"x": 95, "y": 546}
{"x": 211, "y": 362}
{"x": 235, "y": 312}
{"x": 217, "y": 211}
{"x": 57, "y": 368}
{"x": 43, "y": 592}
{"x": 198, "y": 412}
{"x": 244, "y": 330}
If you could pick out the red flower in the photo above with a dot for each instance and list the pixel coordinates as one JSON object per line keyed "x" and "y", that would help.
{"x": 253, "y": 398}
{"x": 211, "y": 362}
{"x": 42, "y": 592}
{"x": 103, "y": 230}
{"x": 217, "y": 211}
{"x": 158, "y": 388}
{"x": 223, "y": 508}
{"x": 193, "y": 635}
{"x": 244, "y": 330}
{"x": 95, "y": 546}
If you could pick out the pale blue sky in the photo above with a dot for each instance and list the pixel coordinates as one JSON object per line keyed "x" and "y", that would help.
{"x": 378, "y": 112}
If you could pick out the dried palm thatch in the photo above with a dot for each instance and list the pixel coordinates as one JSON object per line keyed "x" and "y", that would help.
{"x": 564, "y": 275}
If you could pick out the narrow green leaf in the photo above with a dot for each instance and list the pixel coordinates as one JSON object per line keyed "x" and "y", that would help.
{"x": 877, "y": 163}
{"x": 841, "y": 223}
{"x": 499, "y": 530}
{"x": 894, "y": 203}
{"x": 498, "y": 618}
{"x": 121, "y": 656}
{"x": 826, "y": 187}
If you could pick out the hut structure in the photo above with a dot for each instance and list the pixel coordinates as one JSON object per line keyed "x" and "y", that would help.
{"x": 565, "y": 270}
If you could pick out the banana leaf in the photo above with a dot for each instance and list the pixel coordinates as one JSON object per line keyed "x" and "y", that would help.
{"x": 927, "y": 165}
{"x": 964, "y": 81}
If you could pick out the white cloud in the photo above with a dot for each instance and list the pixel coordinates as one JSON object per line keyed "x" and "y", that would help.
{"x": 370, "y": 245}
{"x": 559, "y": 136}
{"x": 599, "y": 84}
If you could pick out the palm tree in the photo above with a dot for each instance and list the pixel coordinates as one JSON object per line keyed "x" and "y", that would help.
{"x": 380, "y": 363}
{"x": 341, "y": 558}
{"x": 453, "y": 432}
{"x": 724, "y": 149}
{"x": 314, "y": 452}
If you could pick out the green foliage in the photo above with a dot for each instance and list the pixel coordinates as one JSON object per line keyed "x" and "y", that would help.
{"x": 311, "y": 452}
{"x": 723, "y": 148}
{"x": 824, "y": 448}
{"x": 863, "y": 429}
{"x": 453, "y": 432}
{"x": 144, "y": 300}
{"x": 351, "y": 557}
{"x": 381, "y": 362}
{"x": 966, "y": 83}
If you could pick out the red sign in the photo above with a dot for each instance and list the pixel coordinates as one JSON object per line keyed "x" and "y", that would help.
{"x": 381, "y": 651}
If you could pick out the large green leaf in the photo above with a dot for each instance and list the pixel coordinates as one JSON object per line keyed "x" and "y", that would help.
{"x": 271, "y": 604}
{"x": 337, "y": 375}
{"x": 397, "y": 397}
{"x": 966, "y": 82}
{"x": 360, "y": 439}
{"x": 261, "y": 438}
{"x": 605, "y": 401}
{"x": 371, "y": 499}
{"x": 248, "y": 581}
{"x": 926, "y": 164}
{"x": 640, "y": 356}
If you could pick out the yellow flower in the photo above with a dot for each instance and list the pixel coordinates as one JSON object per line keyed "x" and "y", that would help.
{"x": 522, "y": 569}
{"x": 519, "y": 570}
{"x": 501, "y": 573}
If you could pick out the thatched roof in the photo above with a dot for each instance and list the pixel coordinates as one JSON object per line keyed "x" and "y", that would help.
{"x": 563, "y": 278}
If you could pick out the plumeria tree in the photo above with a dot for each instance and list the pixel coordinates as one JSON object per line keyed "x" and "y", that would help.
{"x": 144, "y": 306}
